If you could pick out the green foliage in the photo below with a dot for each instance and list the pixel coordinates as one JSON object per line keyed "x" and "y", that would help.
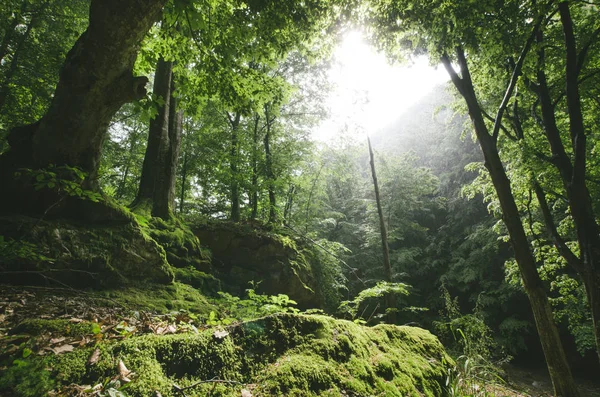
{"x": 372, "y": 297}
{"x": 66, "y": 181}
{"x": 254, "y": 306}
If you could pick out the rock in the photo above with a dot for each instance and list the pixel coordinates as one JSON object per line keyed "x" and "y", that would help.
{"x": 241, "y": 255}
{"x": 45, "y": 251}
{"x": 280, "y": 355}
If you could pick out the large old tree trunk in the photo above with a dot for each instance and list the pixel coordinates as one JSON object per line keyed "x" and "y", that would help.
{"x": 95, "y": 81}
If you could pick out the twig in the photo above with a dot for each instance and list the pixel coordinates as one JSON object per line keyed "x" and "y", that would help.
{"x": 214, "y": 380}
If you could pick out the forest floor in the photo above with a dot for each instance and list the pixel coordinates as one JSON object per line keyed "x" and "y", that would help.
{"x": 116, "y": 320}
{"x": 536, "y": 383}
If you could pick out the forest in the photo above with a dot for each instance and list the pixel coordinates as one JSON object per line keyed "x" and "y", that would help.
{"x": 183, "y": 212}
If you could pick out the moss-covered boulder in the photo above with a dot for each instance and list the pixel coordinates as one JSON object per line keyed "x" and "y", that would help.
{"x": 281, "y": 355}
{"x": 179, "y": 242}
{"x": 242, "y": 254}
{"x": 36, "y": 250}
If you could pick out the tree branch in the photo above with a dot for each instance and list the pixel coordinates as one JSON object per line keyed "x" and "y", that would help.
{"x": 558, "y": 241}
{"x": 515, "y": 76}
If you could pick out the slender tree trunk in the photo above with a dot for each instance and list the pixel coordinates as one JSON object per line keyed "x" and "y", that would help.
{"x": 96, "y": 79}
{"x": 269, "y": 169}
{"x": 287, "y": 211}
{"x": 175, "y": 134}
{"x": 233, "y": 166}
{"x": 580, "y": 201}
{"x": 556, "y": 360}
{"x": 387, "y": 267}
{"x": 254, "y": 192}
{"x": 572, "y": 173}
{"x": 309, "y": 201}
{"x": 184, "y": 170}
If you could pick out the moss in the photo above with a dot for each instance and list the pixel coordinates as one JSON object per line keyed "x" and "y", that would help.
{"x": 292, "y": 355}
{"x": 246, "y": 254}
{"x": 206, "y": 283}
{"x": 161, "y": 298}
{"x": 95, "y": 255}
{"x": 181, "y": 245}
{"x": 62, "y": 327}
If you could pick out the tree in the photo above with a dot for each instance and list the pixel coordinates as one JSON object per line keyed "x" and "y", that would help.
{"x": 453, "y": 43}
{"x": 95, "y": 81}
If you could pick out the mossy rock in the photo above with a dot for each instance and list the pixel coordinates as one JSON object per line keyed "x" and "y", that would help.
{"x": 179, "y": 242}
{"x": 242, "y": 254}
{"x": 291, "y": 355}
{"x": 77, "y": 254}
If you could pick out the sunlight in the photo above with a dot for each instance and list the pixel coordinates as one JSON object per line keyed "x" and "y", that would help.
{"x": 368, "y": 92}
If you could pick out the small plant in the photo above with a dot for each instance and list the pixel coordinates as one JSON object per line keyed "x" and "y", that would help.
{"x": 475, "y": 373}
{"x": 369, "y": 301}
{"x": 256, "y": 305}
{"x": 66, "y": 181}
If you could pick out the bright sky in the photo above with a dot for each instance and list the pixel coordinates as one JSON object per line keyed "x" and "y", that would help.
{"x": 369, "y": 93}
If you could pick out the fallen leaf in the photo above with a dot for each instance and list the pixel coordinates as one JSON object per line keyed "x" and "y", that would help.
{"x": 55, "y": 341}
{"x": 246, "y": 393}
{"x": 171, "y": 329}
{"x": 62, "y": 349}
{"x": 220, "y": 334}
{"x": 124, "y": 373}
{"x": 76, "y": 320}
{"x": 94, "y": 357}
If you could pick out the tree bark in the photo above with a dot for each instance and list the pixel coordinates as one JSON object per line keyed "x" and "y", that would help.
{"x": 580, "y": 201}
{"x": 387, "y": 267}
{"x": 152, "y": 177}
{"x": 254, "y": 192}
{"x": 269, "y": 169}
{"x": 184, "y": 171}
{"x": 287, "y": 211}
{"x": 572, "y": 173}
{"x": 556, "y": 360}
{"x": 95, "y": 81}
{"x": 159, "y": 170}
{"x": 233, "y": 166}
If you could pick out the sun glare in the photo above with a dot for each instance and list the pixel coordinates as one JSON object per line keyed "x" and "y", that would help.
{"x": 369, "y": 93}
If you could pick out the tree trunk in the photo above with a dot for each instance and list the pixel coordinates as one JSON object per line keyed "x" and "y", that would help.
{"x": 95, "y": 81}
{"x": 175, "y": 135}
{"x": 269, "y": 169}
{"x": 387, "y": 267}
{"x": 152, "y": 177}
{"x": 287, "y": 211}
{"x": 556, "y": 360}
{"x": 233, "y": 166}
{"x": 580, "y": 201}
{"x": 183, "y": 182}
{"x": 254, "y": 192}
{"x": 157, "y": 183}
{"x": 572, "y": 173}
